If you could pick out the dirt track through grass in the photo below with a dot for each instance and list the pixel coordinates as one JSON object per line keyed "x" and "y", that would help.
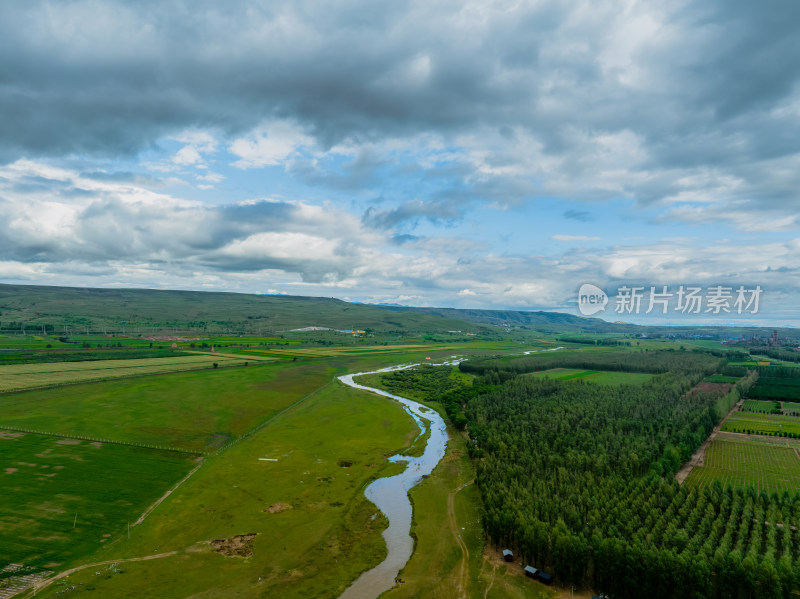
{"x": 161, "y": 499}
{"x": 43, "y": 585}
{"x": 463, "y": 579}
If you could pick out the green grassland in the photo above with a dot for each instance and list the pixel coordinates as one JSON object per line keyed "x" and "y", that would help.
{"x": 744, "y": 463}
{"x": 595, "y": 376}
{"x": 14, "y": 377}
{"x": 45, "y": 481}
{"x": 319, "y": 535}
{"x": 749, "y": 422}
{"x": 197, "y": 411}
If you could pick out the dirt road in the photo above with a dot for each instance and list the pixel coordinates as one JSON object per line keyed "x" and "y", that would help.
{"x": 463, "y": 577}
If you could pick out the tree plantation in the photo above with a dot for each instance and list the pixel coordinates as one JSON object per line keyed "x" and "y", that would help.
{"x": 579, "y": 477}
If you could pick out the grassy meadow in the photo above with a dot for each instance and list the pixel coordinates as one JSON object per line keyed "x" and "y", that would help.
{"x": 315, "y": 531}
{"x": 195, "y": 411}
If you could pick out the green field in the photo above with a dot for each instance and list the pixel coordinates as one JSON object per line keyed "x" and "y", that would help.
{"x": 197, "y": 411}
{"x": 154, "y": 339}
{"x": 315, "y": 530}
{"x": 745, "y": 463}
{"x": 14, "y": 377}
{"x": 45, "y": 481}
{"x": 748, "y": 422}
{"x": 791, "y": 408}
{"x": 756, "y": 405}
{"x": 595, "y": 376}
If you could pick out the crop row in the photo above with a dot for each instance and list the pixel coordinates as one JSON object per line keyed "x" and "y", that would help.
{"x": 82, "y": 372}
{"x": 742, "y": 464}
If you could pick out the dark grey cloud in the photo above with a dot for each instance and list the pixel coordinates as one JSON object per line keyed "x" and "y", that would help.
{"x": 583, "y": 216}
{"x": 690, "y": 109}
{"x": 112, "y": 78}
{"x": 413, "y": 211}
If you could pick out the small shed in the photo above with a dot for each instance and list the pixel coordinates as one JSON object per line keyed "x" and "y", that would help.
{"x": 508, "y": 555}
{"x": 530, "y": 571}
{"x": 544, "y": 577}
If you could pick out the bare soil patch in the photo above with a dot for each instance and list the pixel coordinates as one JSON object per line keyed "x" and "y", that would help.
{"x": 715, "y": 389}
{"x": 11, "y": 435}
{"x": 236, "y": 546}
{"x": 68, "y": 442}
{"x": 277, "y": 508}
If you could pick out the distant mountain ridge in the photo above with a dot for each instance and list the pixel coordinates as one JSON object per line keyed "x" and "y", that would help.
{"x": 98, "y": 309}
{"x": 94, "y": 308}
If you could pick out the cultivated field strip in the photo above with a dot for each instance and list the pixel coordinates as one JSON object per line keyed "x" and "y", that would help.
{"x": 758, "y": 405}
{"x": 741, "y": 464}
{"x": 15, "y": 377}
{"x": 760, "y": 439}
{"x": 61, "y": 498}
{"x": 792, "y": 408}
{"x": 750, "y": 422}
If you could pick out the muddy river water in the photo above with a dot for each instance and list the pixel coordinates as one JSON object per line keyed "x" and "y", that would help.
{"x": 390, "y": 494}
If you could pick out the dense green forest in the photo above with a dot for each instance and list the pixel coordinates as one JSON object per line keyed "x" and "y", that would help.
{"x": 624, "y": 361}
{"x": 779, "y": 354}
{"x": 578, "y": 478}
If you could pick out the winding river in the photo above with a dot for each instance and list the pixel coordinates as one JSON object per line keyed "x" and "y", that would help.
{"x": 390, "y": 494}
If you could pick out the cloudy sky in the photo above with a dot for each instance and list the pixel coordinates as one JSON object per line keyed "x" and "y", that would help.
{"x": 465, "y": 154}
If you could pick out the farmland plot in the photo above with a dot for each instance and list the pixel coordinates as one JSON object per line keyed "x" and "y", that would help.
{"x": 14, "y": 377}
{"x": 196, "y": 411}
{"x": 757, "y": 405}
{"x": 744, "y": 463}
{"x": 791, "y": 408}
{"x": 749, "y": 422}
{"x": 61, "y": 499}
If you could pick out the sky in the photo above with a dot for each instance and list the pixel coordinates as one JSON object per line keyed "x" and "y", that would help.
{"x": 435, "y": 153}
